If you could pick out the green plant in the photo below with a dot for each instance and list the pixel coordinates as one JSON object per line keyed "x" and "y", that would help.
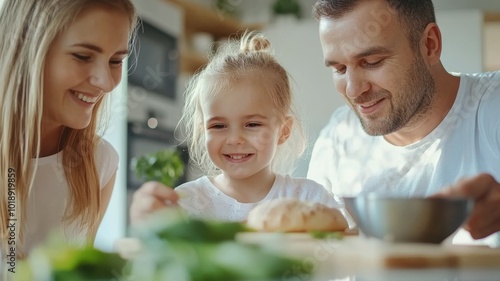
{"x": 56, "y": 260}
{"x": 227, "y": 7}
{"x": 164, "y": 166}
{"x": 287, "y": 7}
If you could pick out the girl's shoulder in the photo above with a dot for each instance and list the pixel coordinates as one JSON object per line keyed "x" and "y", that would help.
{"x": 303, "y": 189}
{"x": 298, "y": 182}
{"x": 202, "y": 183}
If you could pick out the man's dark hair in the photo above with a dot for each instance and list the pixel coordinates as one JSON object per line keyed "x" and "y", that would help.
{"x": 415, "y": 15}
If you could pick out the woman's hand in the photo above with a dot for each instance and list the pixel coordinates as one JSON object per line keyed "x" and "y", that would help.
{"x": 485, "y": 190}
{"x": 151, "y": 196}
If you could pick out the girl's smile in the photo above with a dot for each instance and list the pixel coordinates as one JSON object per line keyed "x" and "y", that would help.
{"x": 238, "y": 158}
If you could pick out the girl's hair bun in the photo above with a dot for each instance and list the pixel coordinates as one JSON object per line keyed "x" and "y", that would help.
{"x": 253, "y": 42}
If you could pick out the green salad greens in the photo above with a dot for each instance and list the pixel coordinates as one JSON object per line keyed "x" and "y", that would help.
{"x": 174, "y": 247}
{"x": 196, "y": 250}
{"x": 68, "y": 263}
{"x": 327, "y": 235}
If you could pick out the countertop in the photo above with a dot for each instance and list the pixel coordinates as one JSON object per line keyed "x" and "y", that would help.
{"x": 354, "y": 258}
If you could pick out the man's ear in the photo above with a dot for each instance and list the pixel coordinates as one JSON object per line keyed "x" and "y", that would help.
{"x": 431, "y": 44}
{"x": 286, "y": 130}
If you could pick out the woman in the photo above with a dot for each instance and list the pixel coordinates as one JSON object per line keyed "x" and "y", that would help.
{"x": 59, "y": 59}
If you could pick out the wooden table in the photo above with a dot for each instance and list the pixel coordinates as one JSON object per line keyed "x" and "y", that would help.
{"x": 355, "y": 258}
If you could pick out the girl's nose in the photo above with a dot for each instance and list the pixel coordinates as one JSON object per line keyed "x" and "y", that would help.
{"x": 235, "y": 137}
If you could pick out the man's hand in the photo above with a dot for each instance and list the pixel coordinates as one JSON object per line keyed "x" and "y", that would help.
{"x": 151, "y": 196}
{"x": 485, "y": 190}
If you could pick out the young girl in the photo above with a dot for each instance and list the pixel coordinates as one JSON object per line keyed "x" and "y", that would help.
{"x": 59, "y": 60}
{"x": 242, "y": 132}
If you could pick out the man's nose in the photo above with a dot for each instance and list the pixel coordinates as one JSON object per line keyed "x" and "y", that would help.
{"x": 355, "y": 84}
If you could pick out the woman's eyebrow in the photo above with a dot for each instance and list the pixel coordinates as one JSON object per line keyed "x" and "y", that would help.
{"x": 97, "y": 48}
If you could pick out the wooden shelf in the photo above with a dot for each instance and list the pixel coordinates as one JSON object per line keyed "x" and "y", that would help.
{"x": 199, "y": 19}
{"x": 202, "y": 19}
{"x": 492, "y": 17}
{"x": 191, "y": 61}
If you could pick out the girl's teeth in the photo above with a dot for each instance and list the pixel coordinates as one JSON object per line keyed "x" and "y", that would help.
{"x": 238, "y": 157}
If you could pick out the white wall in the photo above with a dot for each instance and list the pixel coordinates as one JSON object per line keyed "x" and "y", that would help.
{"x": 490, "y": 5}
{"x": 462, "y": 32}
{"x": 298, "y": 49}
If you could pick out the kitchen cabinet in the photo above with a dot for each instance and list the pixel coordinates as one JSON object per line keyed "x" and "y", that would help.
{"x": 199, "y": 19}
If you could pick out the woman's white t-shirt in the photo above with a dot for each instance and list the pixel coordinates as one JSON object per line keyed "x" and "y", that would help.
{"x": 50, "y": 195}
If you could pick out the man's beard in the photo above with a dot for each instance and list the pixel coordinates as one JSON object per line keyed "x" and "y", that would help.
{"x": 412, "y": 102}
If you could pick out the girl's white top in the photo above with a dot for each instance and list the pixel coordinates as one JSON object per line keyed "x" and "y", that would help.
{"x": 202, "y": 199}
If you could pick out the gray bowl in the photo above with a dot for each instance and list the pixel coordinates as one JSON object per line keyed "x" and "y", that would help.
{"x": 415, "y": 220}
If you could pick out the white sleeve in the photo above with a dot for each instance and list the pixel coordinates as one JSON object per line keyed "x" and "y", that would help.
{"x": 107, "y": 161}
{"x": 194, "y": 198}
{"x": 309, "y": 190}
{"x": 488, "y": 115}
{"x": 326, "y": 197}
{"x": 321, "y": 164}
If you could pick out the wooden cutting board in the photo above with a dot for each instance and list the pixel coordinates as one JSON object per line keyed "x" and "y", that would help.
{"x": 374, "y": 254}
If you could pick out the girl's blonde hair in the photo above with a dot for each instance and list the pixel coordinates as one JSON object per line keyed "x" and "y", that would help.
{"x": 248, "y": 58}
{"x": 27, "y": 29}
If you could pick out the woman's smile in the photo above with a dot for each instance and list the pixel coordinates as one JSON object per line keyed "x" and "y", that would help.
{"x": 84, "y": 100}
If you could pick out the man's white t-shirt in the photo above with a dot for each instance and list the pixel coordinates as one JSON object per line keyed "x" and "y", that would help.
{"x": 202, "y": 199}
{"x": 349, "y": 162}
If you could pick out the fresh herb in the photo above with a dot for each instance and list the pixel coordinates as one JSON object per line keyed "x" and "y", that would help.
{"x": 181, "y": 248}
{"x": 164, "y": 166}
{"x": 327, "y": 235}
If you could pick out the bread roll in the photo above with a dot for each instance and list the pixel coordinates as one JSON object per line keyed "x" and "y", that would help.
{"x": 292, "y": 215}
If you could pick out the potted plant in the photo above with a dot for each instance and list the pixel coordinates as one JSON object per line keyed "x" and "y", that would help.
{"x": 227, "y": 7}
{"x": 165, "y": 166}
{"x": 287, "y": 7}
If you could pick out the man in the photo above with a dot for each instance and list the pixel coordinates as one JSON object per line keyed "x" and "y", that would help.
{"x": 410, "y": 127}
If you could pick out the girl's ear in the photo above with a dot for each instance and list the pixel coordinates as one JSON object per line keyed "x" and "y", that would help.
{"x": 286, "y": 130}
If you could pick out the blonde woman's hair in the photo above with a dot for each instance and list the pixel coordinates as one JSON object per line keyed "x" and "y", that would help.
{"x": 27, "y": 29}
{"x": 247, "y": 58}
